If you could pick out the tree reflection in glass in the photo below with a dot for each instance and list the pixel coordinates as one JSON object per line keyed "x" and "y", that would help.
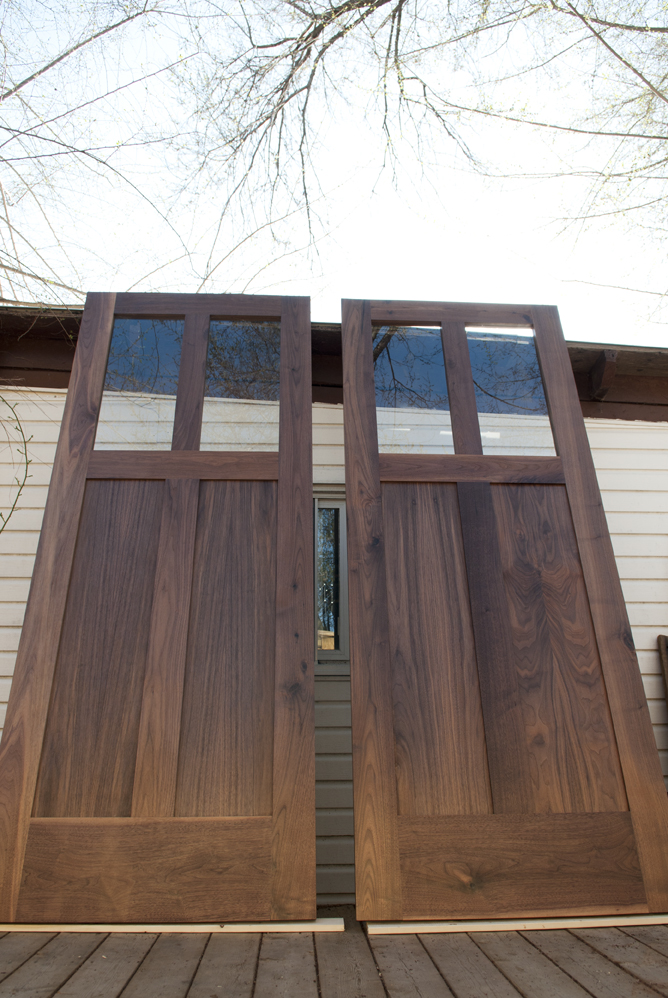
{"x": 144, "y": 356}
{"x": 327, "y": 585}
{"x": 243, "y": 360}
{"x": 409, "y": 369}
{"x": 506, "y": 375}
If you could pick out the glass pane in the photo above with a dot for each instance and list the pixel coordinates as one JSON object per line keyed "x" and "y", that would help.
{"x": 327, "y": 589}
{"x": 139, "y": 397}
{"x": 242, "y": 386}
{"x": 411, "y": 393}
{"x": 512, "y": 410}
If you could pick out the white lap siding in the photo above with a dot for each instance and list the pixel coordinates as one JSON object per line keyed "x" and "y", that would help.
{"x": 632, "y": 464}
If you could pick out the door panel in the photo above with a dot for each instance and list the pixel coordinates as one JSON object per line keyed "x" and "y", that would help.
{"x": 503, "y": 756}
{"x": 161, "y": 723}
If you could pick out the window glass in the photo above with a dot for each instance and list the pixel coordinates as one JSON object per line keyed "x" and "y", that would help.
{"x": 412, "y": 407}
{"x": 139, "y": 397}
{"x": 241, "y": 396}
{"x": 510, "y": 398}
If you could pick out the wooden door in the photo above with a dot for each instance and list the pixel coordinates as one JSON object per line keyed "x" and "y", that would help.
{"x": 503, "y": 757}
{"x": 157, "y": 761}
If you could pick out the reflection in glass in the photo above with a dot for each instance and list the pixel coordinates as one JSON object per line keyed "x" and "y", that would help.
{"x": 139, "y": 397}
{"x": 412, "y": 406}
{"x": 242, "y": 386}
{"x": 512, "y": 410}
{"x": 327, "y": 579}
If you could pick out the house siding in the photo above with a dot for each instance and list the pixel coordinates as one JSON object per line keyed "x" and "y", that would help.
{"x": 631, "y": 460}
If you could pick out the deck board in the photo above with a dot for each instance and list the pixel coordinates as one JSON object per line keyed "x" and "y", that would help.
{"x": 169, "y": 967}
{"x": 589, "y": 968}
{"x": 550, "y": 963}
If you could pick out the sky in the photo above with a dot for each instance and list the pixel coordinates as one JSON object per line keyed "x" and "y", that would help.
{"x": 434, "y": 229}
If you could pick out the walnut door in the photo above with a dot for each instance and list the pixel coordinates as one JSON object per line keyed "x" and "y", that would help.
{"x": 503, "y": 757}
{"x": 157, "y": 763}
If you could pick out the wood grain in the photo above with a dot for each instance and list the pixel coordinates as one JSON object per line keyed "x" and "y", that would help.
{"x": 346, "y": 968}
{"x": 17, "y": 947}
{"x": 441, "y": 761}
{"x": 168, "y": 970}
{"x": 569, "y": 739}
{"x": 465, "y": 967}
{"x": 601, "y": 977}
{"x": 428, "y": 312}
{"x": 526, "y": 967}
{"x": 469, "y": 468}
{"x": 644, "y": 963}
{"x": 509, "y": 764}
{"x": 461, "y": 393}
{"x": 209, "y": 465}
{"x": 377, "y": 875}
{"x": 21, "y": 745}
{"x": 511, "y": 865}
{"x": 190, "y": 393}
{"x": 154, "y": 789}
{"x": 225, "y": 753}
{"x": 405, "y": 971}
{"x": 286, "y": 968}
{"x": 146, "y": 870}
{"x": 52, "y": 966}
{"x": 161, "y": 305}
{"x": 293, "y": 838}
{"x": 106, "y": 972}
{"x": 90, "y": 743}
{"x": 228, "y": 967}
{"x": 639, "y": 759}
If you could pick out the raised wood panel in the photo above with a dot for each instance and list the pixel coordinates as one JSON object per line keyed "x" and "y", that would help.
{"x": 160, "y": 305}
{"x": 377, "y": 874}
{"x": 441, "y": 761}
{"x": 643, "y": 780}
{"x": 208, "y": 465}
{"x": 154, "y": 788}
{"x": 520, "y": 865}
{"x": 146, "y": 870}
{"x": 468, "y": 468}
{"x": 26, "y": 716}
{"x": 569, "y": 738}
{"x": 508, "y": 760}
{"x": 88, "y": 759}
{"x": 225, "y": 754}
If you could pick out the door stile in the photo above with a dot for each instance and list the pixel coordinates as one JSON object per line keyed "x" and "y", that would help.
{"x": 22, "y": 739}
{"x": 628, "y": 705}
{"x": 154, "y": 790}
{"x": 461, "y": 393}
{"x": 293, "y": 869}
{"x": 377, "y": 871}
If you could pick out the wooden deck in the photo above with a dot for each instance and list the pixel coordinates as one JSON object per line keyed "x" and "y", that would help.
{"x": 602, "y": 963}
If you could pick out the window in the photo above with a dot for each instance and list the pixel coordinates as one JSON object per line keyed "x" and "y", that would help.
{"x": 331, "y": 582}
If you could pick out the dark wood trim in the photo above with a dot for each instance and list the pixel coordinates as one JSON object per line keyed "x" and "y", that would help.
{"x": 175, "y": 305}
{"x": 154, "y": 789}
{"x": 470, "y": 468}
{"x": 189, "y": 869}
{"x": 461, "y": 393}
{"x": 377, "y": 873}
{"x": 293, "y": 869}
{"x": 210, "y": 465}
{"x": 473, "y": 314}
{"x": 628, "y": 705}
{"x": 192, "y": 373}
{"x": 23, "y": 734}
{"x": 624, "y": 410}
{"x": 520, "y": 865}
